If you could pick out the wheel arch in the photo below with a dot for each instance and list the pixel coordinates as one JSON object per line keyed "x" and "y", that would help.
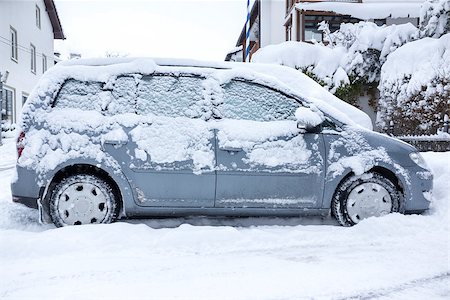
{"x": 385, "y": 171}
{"x": 117, "y": 180}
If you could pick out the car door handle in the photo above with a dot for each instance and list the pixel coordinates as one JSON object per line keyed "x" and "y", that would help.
{"x": 115, "y": 142}
{"x": 231, "y": 149}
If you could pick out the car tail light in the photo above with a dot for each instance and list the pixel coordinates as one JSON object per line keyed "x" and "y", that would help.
{"x": 20, "y": 144}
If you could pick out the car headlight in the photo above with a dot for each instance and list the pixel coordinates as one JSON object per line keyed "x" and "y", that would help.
{"x": 418, "y": 160}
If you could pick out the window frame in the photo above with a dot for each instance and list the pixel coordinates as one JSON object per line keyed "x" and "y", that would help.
{"x": 38, "y": 16}
{"x": 14, "y": 50}
{"x": 33, "y": 58}
{"x": 44, "y": 63}
{"x": 24, "y": 97}
{"x": 5, "y": 102}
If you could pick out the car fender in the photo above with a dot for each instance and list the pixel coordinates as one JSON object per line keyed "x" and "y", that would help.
{"x": 115, "y": 174}
{"x": 332, "y": 182}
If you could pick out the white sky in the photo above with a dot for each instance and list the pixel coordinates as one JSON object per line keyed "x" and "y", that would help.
{"x": 200, "y": 29}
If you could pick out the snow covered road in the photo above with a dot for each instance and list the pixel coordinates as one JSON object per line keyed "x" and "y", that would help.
{"x": 394, "y": 257}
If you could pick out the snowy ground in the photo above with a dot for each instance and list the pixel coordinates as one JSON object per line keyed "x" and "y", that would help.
{"x": 394, "y": 257}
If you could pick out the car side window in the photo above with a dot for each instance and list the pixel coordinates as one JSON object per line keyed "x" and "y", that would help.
{"x": 170, "y": 96}
{"x": 79, "y": 94}
{"x": 123, "y": 96}
{"x": 250, "y": 101}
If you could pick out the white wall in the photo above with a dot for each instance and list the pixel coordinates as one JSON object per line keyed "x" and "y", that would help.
{"x": 272, "y": 22}
{"x": 21, "y": 16}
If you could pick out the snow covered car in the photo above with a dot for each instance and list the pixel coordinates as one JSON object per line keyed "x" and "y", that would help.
{"x": 105, "y": 139}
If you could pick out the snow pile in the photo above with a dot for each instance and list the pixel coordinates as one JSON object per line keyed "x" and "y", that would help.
{"x": 435, "y": 18}
{"x": 415, "y": 86}
{"x": 354, "y": 52}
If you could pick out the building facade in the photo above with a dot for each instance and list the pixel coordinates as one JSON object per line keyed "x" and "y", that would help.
{"x": 266, "y": 28}
{"x": 276, "y": 21}
{"x": 27, "y": 31}
{"x": 303, "y": 16}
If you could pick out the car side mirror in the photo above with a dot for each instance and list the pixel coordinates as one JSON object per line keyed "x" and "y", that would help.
{"x": 309, "y": 120}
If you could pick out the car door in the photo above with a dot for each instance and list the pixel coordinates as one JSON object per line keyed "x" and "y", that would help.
{"x": 263, "y": 160}
{"x": 168, "y": 152}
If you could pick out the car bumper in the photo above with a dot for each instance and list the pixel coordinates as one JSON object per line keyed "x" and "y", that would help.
{"x": 24, "y": 188}
{"x": 27, "y": 201}
{"x": 421, "y": 187}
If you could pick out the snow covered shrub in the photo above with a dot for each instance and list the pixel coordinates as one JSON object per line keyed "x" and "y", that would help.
{"x": 350, "y": 62}
{"x": 415, "y": 87}
{"x": 435, "y": 18}
{"x": 367, "y": 46}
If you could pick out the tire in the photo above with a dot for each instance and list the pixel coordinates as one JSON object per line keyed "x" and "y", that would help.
{"x": 361, "y": 197}
{"x": 83, "y": 199}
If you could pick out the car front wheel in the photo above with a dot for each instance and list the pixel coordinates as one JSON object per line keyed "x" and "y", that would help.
{"x": 82, "y": 199}
{"x": 361, "y": 197}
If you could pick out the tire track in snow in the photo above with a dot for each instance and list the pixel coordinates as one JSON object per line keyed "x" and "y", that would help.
{"x": 383, "y": 292}
{"x": 4, "y": 168}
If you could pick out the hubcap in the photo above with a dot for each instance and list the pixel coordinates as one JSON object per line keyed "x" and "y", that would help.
{"x": 368, "y": 200}
{"x": 82, "y": 203}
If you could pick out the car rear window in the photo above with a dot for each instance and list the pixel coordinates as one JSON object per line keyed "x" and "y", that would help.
{"x": 79, "y": 94}
{"x": 250, "y": 101}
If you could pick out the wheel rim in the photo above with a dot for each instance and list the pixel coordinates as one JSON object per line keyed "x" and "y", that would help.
{"x": 368, "y": 200}
{"x": 82, "y": 203}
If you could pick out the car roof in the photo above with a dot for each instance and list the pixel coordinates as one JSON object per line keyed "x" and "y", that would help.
{"x": 164, "y": 62}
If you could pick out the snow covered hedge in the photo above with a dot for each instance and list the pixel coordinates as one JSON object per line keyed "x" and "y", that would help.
{"x": 349, "y": 63}
{"x": 435, "y": 18}
{"x": 415, "y": 86}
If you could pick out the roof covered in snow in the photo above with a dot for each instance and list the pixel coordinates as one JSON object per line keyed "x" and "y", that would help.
{"x": 368, "y": 9}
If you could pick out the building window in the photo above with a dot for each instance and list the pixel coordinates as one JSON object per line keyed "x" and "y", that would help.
{"x": 14, "y": 52}
{"x": 311, "y": 24}
{"x": 7, "y": 106}
{"x": 380, "y": 22}
{"x": 38, "y": 17}
{"x": 288, "y": 29}
{"x": 44, "y": 63}
{"x": 313, "y": 34}
{"x": 24, "y": 98}
{"x": 33, "y": 58}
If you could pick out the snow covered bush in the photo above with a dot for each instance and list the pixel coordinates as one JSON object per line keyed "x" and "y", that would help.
{"x": 351, "y": 60}
{"x": 435, "y": 18}
{"x": 415, "y": 87}
{"x": 367, "y": 46}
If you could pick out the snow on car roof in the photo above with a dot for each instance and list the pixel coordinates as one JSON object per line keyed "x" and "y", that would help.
{"x": 281, "y": 78}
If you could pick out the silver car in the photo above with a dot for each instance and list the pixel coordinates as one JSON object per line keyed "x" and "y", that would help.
{"x": 102, "y": 140}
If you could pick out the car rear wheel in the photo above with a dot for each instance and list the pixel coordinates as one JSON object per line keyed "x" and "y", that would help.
{"x": 361, "y": 197}
{"x": 83, "y": 199}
